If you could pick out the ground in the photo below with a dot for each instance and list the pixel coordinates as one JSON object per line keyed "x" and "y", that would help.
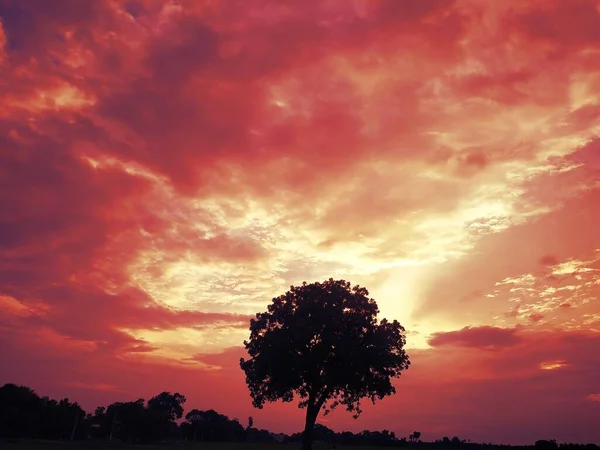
{"x": 55, "y": 445}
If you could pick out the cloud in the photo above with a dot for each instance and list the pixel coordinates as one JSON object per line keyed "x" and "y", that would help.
{"x": 577, "y": 29}
{"x": 505, "y": 274}
{"x": 109, "y": 324}
{"x": 95, "y": 387}
{"x": 548, "y": 260}
{"x": 2, "y": 42}
{"x": 477, "y": 337}
{"x": 166, "y": 169}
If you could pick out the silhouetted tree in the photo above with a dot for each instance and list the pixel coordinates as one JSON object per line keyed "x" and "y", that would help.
{"x": 255, "y": 435}
{"x": 61, "y": 420}
{"x": 168, "y": 405}
{"x": 194, "y": 418}
{"x": 23, "y": 414}
{"x": 163, "y": 410}
{"x": 212, "y": 426}
{"x": 322, "y": 342}
{"x": 544, "y": 444}
{"x": 99, "y": 423}
{"x": 323, "y": 434}
{"x": 414, "y": 437}
{"x": 19, "y": 412}
{"x": 130, "y": 421}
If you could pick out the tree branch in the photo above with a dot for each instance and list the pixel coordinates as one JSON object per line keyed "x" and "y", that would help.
{"x": 322, "y": 398}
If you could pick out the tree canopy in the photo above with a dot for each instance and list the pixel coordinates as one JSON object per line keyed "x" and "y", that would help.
{"x": 323, "y": 343}
{"x": 212, "y": 426}
{"x": 24, "y": 414}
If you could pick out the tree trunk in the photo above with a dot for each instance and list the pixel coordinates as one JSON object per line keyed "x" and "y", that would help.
{"x": 312, "y": 411}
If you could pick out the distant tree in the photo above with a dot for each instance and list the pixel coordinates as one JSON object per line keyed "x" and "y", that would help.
{"x": 163, "y": 410}
{"x": 212, "y": 426}
{"x": 130, "y": 421}
{"x": 250, "y": 422}
{"x": 254, "y": 435}
{"x": 323, "y": 434}
{"x": 414, "y": 437}
{"x": 546, "y": 444}
{"x": 23, "y": 414}
{"x": 169, "y": 405}
{"x": 19, "y": 412}
{"x": 323, "y": 343}
{"x": 194, "y": 418}
{"x": 99, "y": 424}
{"x": 63, "y": 419}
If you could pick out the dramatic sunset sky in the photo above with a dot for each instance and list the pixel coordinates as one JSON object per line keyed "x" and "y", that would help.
{"x": 166, "y": 168}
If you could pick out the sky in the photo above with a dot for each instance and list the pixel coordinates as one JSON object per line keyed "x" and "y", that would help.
{"x": 167, "y": 168}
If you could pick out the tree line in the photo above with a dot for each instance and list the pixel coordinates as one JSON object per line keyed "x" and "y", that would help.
{"x": 24, "y": 414}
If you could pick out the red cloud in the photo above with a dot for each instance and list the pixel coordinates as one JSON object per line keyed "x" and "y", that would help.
{"x": 549, "y": 260}
{"x": 477, "y": 337}
{"x": 166, "y": 169}
{"x": 566, "y": 26}
{"x": 536, "y": 317}
{"x": 95, "y": 387}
